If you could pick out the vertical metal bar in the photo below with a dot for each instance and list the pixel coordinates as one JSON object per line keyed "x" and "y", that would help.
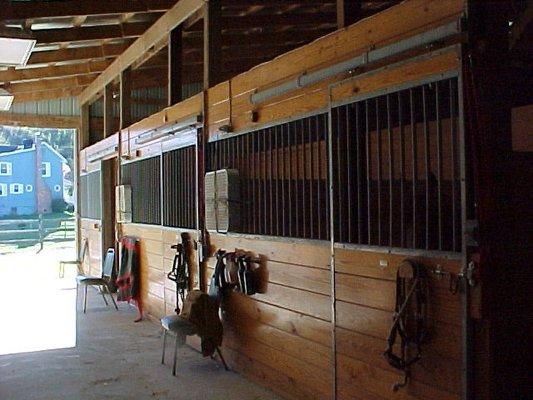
{"x": 333, "y": 294}
{"x": 254, "y": 173}
{"x": 338, "y": 216}
{"x": 271, "y": 132}
{"x": 290, "y": 204}
{"x": 329, "y": 183}
{"x": 319, "y": 178}
{"x": 358, "y": 171}
{"x": 368, "y": 171}
{"x": 278, "y": 180}
{"x": 265, "y": 184}
{"x": 349, "y": 172}
{"x": 414, "y": 155}
{"x": 297, "y": 194}
{"x": 402, "y": 171}
{"x": 283, "y": 204}
{"x": 452, "y": 172}
{"x": 426, "y": 159}
{"x": 391, "y": 167}
{"x": 439, "y": 163}
{"x": 305, "y": 219}
{"x": 378, "y": 139}
{"x": 311, "y": 175}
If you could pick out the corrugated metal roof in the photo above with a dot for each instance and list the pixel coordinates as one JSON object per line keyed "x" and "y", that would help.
{"x": 66, "y": 107}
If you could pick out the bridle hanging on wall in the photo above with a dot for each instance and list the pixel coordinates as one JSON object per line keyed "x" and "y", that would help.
{"x": 410, "y": 318}
{"x": 180, "y": 272}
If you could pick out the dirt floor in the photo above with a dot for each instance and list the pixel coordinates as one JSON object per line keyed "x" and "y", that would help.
{"x": 107, "y": 357}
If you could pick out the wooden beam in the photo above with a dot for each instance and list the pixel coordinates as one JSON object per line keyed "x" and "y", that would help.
{"x": 49, "y": 84}
{"x": 129, "y": 30}
{"x": 125, "y": 98}
{"x": 39, "y": 121}
{"x": 13, "y": 75}
{"x": 78, "y": 54}
{"x": 49, "y": 94}
{"x": 108, "y": 110}
{"x": 212, "y": 43}
{"x": 175, "y": 16}
{"x": 24, "y": 10}
{"x": 175, "y": 64}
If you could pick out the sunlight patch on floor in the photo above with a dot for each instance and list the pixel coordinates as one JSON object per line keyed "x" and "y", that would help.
{"x": 37, "y": 310}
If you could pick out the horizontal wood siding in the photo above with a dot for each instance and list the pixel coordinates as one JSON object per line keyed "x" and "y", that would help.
{"x": 286, "y": 328}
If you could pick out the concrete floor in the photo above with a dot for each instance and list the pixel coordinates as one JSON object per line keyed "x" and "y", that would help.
{"x": 116, "y": 358}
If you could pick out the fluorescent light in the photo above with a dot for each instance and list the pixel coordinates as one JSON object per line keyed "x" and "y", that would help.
{"x": 6, "y": 99}
{"x": 99, "y": 155}
{"x": 170, "y": 129}
{"x": 15, "y": 52}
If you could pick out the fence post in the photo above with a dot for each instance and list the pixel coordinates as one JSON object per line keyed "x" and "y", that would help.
{"x": 41, "y": 236}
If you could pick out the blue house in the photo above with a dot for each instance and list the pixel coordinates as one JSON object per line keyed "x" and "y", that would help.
{"x": 19, "y": 185}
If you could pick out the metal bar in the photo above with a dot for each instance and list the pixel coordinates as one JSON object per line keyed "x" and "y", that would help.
{"x": 271, "y": 179}
{"x": 333, "y": 294}
{"x": 283, "y": 181}
{"x": 378, "y": 139}
{"x": 254, "y": 173}
{"x": 305, "y": 218}
{"x": 349, "y": 172}
{"x": 319, "y": 178}
{"x": 402, "y": 171}
{"x": 276, "y": 134}
{"x": 426, "y": 160}
{"x": 337, "y": 195}
{"x": 414, "y": 156}
{"x": 329, "y": 216}
{"x": 265, "y": 184}
{"x": 311, "y": 176}
{"x": 439, "y": 163}
{"x": 453, "y": 150}
{"x": 297, "y": 182}
{"x": 289, "y": 142}
{"x": 391, "y": 166}
{"x": 358, "y": 171}
{"x": 368, "y": 170}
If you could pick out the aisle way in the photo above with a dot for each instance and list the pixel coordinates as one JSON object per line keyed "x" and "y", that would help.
{"x": 115, "y": 358}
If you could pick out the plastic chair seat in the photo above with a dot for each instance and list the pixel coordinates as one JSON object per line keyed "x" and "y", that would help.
{"x": 90, "y": 280}
{"x": 177, "y": 324}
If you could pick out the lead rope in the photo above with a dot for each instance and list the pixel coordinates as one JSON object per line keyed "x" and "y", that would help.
{"x": 408, "y": 272}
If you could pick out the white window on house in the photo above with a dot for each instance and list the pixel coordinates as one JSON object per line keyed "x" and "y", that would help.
{"x": 3, "y": 189}
{"x": 46, "y": 170}
{"x": 29, "y": 188}
{"x": 16, "y": 188}
{"x": 6, "y": 168}
{"x": 57, "y": 188}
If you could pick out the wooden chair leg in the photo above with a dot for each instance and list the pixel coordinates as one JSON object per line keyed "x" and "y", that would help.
{"x": 85, "y": 300}
{"x": 222, "y": 359}
{"x": 175, "y": 356}
{"x": 164, "y": 345}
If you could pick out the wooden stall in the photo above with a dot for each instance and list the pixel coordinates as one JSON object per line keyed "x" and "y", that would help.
{"x": 351, "y": 156}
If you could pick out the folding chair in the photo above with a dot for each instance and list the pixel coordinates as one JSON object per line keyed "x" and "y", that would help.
{"x": 103, "y": 282}
{"x": 78, "y": 262}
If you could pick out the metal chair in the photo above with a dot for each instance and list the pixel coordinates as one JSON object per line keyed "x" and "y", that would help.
{"x": 102, "y": 283}
{"x": 78, "y": 263}
{"x": 182, "y": 328}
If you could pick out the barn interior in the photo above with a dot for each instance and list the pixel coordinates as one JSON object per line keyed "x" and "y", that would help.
{"x": 347, "y": 181}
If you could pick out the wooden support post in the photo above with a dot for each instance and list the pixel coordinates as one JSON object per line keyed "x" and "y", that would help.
{"x": 347, "y": 12}
{"x": 125, "y": 98}
{"x": 212, "y": 44}
{"x": 175, "y": 65}
{"x": 108, "y": 110}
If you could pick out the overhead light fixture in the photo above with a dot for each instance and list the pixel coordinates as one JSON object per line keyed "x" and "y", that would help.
{"x": 6, "y": 99}
{"x": 15, "y": 47}
{"x": 170, "y": 129}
